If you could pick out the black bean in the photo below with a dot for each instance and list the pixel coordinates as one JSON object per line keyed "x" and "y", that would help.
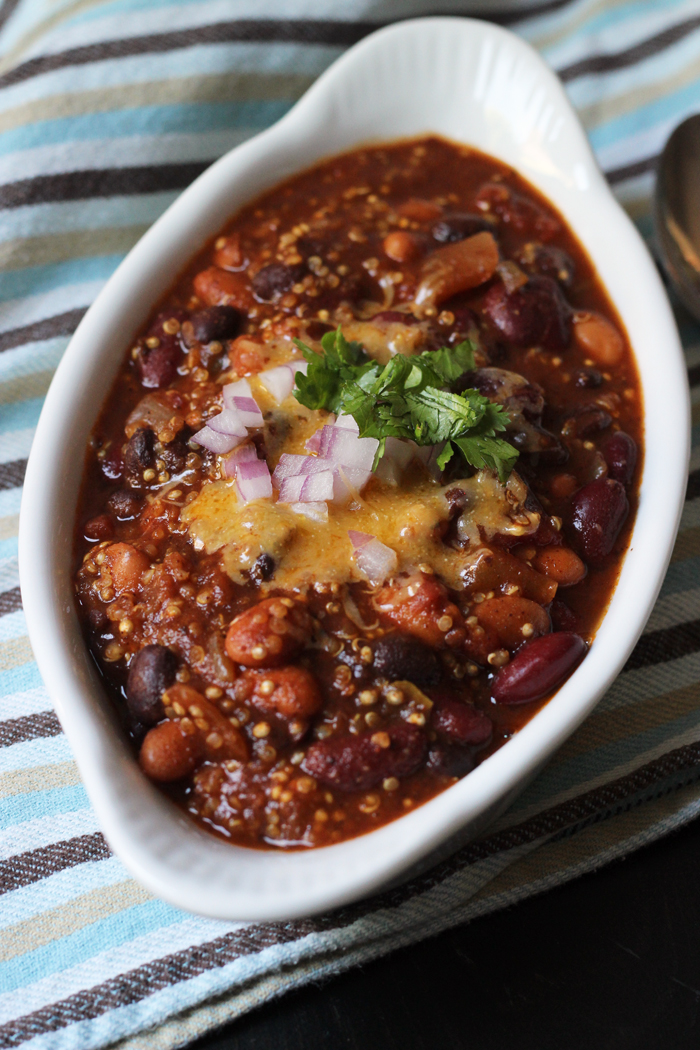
{"x": 447, "y": 761}
{"x": 216, "y": 322}
{"x": 588, "y": 378}
{"x": 275, "y": 279}
{"x": 139, "y": 454}
{"x": 457, "y": 226}
{"x": 151, "y": 671}
{"x": 174, "y": 455}
{"x": 548, "y": 261}
{"x": 263, "y": 569}
{"x": 125, "y": 504}
{"x": 400, "y": 658}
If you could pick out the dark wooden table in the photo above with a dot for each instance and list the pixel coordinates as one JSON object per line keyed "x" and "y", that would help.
{"x": 609, "y": 962}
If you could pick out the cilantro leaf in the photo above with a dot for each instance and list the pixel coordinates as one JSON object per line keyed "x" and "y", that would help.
{"x": 406, "y": 398}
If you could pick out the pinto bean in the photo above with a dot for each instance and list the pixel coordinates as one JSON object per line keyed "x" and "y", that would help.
{"x": 291, "y": 692}
{"x": 217, "y": 287}
{"x": 275, "y": 279}
{"x": 418, "y": 210}
{"x": 460, "y": 722}
{"x": 357, "y": 763}
{"x": 596, "y": 336}
{"x": 491, "y": 569}
{"x": 513, "y": 620}
{"x": 563, "y": 485}
{"x": 538, "y": 669}
{"x": 401, "y": 246}
{"x": 269, "y": 634}
{"x": 588, "y": 422}
{"x": 599, "y": 511}
{"x": 216, "y": 322}
{"x": 218, "y": 740}
{"x": 620, "y": 453}
{"x": 457, "y": 268}
{"x": 126, "y": 565}
{"x": 560, "y": 564}
{"x": 537, "y": 314}
{"x": 230, "y": 255}
{"x": 420, "y": 606}
{"x": 151, "y": 671}
{"x": 398, "y": 657}
{"x": 168, "y": 753}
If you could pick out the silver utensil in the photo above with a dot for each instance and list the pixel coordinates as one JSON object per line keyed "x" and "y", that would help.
{"x": 677, "y": 212}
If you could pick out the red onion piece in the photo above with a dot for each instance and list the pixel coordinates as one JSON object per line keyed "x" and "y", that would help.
{"x": 228, "y": 422}
{"x": 279, "y": 382}
{"x": 348, "y": 481}
{"x": 346, "y": 422}
{"x": 314, "y": 511}
{"x": 219, "y": 443}
{"x": 315, "y": 440}
{"x": 375, "y": 560}
{"x": 290, "y": 489}
{"x": 241, "y": 388}
{"x": 344, "y": 447}
{"x": 239, "y": 455}
{"x": 248, "y": 410}
{"x": 253, "y": 480}
{"x": 291, "y": 466}
{"x": 317, "y": 487}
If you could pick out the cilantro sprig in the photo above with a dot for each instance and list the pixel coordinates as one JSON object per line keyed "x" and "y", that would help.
{"x": 406, "y": 398}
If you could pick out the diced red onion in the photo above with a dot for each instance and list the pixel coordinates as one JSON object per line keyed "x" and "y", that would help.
{"x": 253, "y": 480}
{"x": 344, "y": 447}
{"x": 228, "y": 422}
{"x": 347, "y": 482}
{"x": 290, "y": 488}
{"x": 241, "y": 388}
{"x": 219, "y": 443}
{"x": 315, "y": 440}
{"x": 249, "y": 411}
{"x": 346, "y": 422}
{"x": 317, "y": 487}
{"x": 290, "y": 466}
{"x": 313, "y": 511}
{"x": 279, "y": 382}
{"x": 375, "y": 560}
{"x": 239, "y": 455}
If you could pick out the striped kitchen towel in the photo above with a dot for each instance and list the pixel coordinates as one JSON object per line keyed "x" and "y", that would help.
{"x": 107, "y": 109}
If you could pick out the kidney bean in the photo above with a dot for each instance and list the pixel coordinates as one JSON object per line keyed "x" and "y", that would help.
{"x": 537, "y": 314}
{"x": 216, "y": 322}
{"x": 275, "y": 279}
{"x": 596, "y": 336}
{"x": 548, "y": 261}
{"x": 400, "y": 658}
{"x": 560, "y": 564}
{"x": 112, "y": 465}
{"x": 518, "y": 212}
{"x": 125, "y": 504}
{"x": 599, "y": 511}
{"x": 513, "y": 620}
{"x": 563, "y": 618}
{"x": 401, "y": 246}
{"x": 269, "y": 634}
{"x": 263, "y": 569}
{"x": 126, "y": 565}
{"x": 157, "y": 366}
{"x": 620, "y": 451}
{"x": 450, "y": 761}
{"x": 459, "y": 722}
{"x": 291, "y": 692}
{"x": 139, "y": 453}
{"x": 538, "y": 669}
{"x": 217, "y": 287}
{"x": 394, "y": 317}
{"x": 168, "y": 753}
{"x": 151, "y": 671}
{"x": 99, "y": 528}
{"x": 457, "y": 226}
{"x": 357, "y": 763}
{"x": 219, "y": 740}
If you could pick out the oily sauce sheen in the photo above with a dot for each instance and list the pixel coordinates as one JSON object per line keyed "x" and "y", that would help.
{"x": 276, "y": 694}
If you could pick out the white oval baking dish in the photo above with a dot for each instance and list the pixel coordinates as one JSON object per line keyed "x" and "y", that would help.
{"x": 472, "y": 82}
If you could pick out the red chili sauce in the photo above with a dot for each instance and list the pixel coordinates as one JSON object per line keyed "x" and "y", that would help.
{"x": 282, "y": 692}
